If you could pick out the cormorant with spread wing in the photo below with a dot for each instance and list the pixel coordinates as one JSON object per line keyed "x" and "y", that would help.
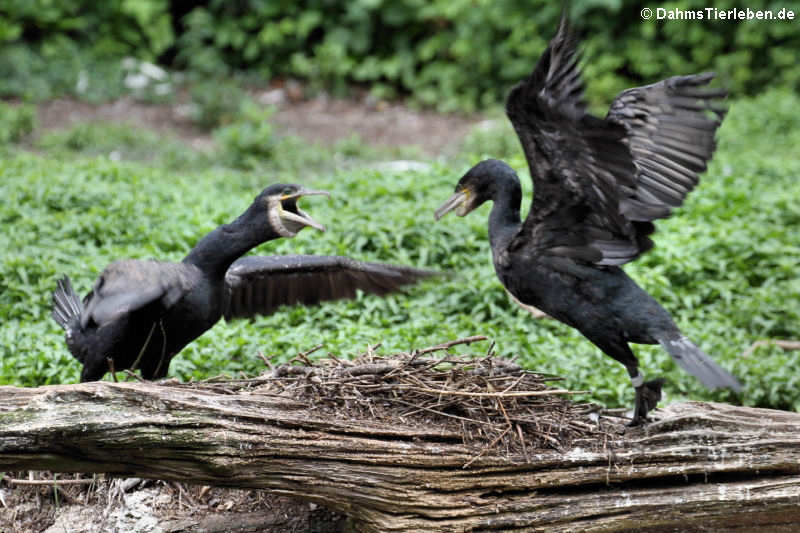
{"x": 141, "y": 313}
{"x": 598, "y": 185}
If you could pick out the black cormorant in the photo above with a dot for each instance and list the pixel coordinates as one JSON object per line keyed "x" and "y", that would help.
{"x": 598, "y": 185}
{"x": 140, "y": 313}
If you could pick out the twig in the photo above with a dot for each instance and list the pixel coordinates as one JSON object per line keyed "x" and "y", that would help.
{"x": 522, "y": 440}
{"x": 515, "y": 394}
{"x": 371, "y": 351}
{"x": 487, "y": 448}
{"x": 266, "y": 360}
{"x": 49, "y": 482}
{"x": 786, "y": 345}
{"x": 450, "y": 344}
{"x": 490, "y": 351}
{"x": 441, "y": 413}
{"x": 110, "y": 363}
{"x": 312, "y": 350}
{"x": 219, "y": 378}
{"x": 133, "y": 375}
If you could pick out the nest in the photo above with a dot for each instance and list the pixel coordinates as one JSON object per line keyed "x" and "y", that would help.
{"x": 492, "y": 403}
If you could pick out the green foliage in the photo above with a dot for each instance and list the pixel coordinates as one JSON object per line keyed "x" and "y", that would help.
{"x": 449, "y": 54}
{"x": 120, "y": 141}
{"x": 50, "y": 48}
{"x": 66, "y": 69}
{"x": 725, "y": 265}
{"x": 466, "y": 54}
{"x": 109, "y": 28}
{"x": 493, "y": 138}
{"x": 16, "y": 122}
{"x": 247, "y": 143}
{"x": 216, "y": 102}
{"x": 250, "y": 140}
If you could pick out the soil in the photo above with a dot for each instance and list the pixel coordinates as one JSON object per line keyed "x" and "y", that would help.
{"x": 320, "y": 119}
{"x": 109, "y": 505}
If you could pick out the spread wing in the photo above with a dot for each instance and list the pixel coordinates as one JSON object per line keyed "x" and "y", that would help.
{"x": 261, "y": 284}
{"x": 128, "y": 285}
{"x": 670, "y": 132}
{"x": 598, "y": 183}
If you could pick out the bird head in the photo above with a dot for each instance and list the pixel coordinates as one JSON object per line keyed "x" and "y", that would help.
{"x": 284, "y": 216}
{"x": 477, "y": 186}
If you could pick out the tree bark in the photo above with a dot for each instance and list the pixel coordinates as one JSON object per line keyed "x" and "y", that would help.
{"x": 697, "y": 467}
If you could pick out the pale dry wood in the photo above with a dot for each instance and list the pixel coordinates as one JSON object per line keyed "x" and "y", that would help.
{"x": 48, "y": 482}
{"x": 698, "y": 467}
{"x": 783, "y": 344}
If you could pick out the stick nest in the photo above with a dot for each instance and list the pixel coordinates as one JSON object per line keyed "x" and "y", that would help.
{"x": 492, "y": 403}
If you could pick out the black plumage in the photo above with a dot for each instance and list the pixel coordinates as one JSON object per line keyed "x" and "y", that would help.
{"x": 598, "y": 186}
{"x": 141, "y": 313}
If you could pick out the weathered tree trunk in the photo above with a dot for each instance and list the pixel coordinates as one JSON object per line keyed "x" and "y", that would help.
{"x": 699, "y": 467}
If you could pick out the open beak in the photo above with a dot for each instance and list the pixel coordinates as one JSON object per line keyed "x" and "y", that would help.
{"x": 298, "y": 220}
{"x": 454, "y": 202}
{"x": 305, "y": 192}
{"x": 302, "y": 218}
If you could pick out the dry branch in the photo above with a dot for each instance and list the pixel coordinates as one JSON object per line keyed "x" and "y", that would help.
{"x": 783, "y": 344}
{"x": 396, "y": 445}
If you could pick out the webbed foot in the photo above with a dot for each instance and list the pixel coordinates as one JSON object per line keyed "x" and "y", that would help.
{"x": 647, "y": 397}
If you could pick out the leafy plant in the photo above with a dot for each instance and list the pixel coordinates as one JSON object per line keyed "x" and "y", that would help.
{"x": 466, "y": 54}
{"x": 215, "y": 103}
{"x": 16, "y": 122}
{"x": 121, "y": 141}
{"x": 250, "y": 139}
{"x": 449, "y": 54}
{"x": 111, "y": 29}
{"x": 40, "y": 74}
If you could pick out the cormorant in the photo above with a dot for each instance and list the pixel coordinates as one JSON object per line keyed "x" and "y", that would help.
{"x": 141, "y": 313}
{"x": 598, "y": 185}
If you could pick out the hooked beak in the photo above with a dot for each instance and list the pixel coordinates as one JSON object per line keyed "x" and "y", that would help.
{"x": 305, "y": 192}
{"x": 291, "y": 223}
{"x": 458, "y": 200}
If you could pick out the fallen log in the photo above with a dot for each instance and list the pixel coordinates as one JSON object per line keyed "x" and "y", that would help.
{"x": 697, "y": 467}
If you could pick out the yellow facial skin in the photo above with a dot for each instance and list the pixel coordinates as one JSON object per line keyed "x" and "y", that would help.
{"x": 289, "y": 224}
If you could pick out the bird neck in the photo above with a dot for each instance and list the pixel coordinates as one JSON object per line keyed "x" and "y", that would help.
{"x": 216, "y": 251}
{"x": 504, "y": 218}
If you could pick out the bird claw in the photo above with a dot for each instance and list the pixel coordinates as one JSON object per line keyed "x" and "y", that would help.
{"x": 647, "y": 397}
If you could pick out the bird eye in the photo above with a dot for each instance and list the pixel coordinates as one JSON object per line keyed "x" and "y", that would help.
{"x": 288, "y": 190}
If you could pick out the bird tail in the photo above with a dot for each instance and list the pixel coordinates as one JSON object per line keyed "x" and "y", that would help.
{"x": 697, "y": 363}
{"x": 67, "y": 307}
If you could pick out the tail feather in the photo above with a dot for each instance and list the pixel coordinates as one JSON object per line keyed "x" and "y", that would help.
{"x": 66, "y": 305}
{"x": 694, "y": 361}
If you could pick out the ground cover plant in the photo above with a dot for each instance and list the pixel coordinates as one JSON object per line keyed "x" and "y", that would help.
{"x": 725, "y": 265}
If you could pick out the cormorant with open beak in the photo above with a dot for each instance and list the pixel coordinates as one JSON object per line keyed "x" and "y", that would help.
{"x": 141, "y": 313}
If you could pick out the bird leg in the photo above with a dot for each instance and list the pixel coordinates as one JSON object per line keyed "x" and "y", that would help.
{"x": 163, "y": 347}
{"x": 648, "y": 394}
{"x": 110, "y": 362}
{"x": 144, "y": 347}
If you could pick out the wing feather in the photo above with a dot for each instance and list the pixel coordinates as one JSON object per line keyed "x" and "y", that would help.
{"x": 128, "y": 285}
{"x": 671, "y": 129}
{"x": 616, "y": 174}
{"x": 261, "y": 284}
